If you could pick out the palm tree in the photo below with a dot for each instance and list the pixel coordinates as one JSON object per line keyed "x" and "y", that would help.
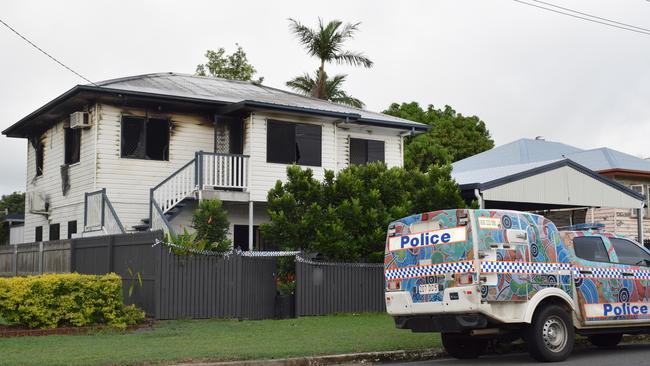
{"x": 326, "y": 43}
{"x": 307, "y": 85}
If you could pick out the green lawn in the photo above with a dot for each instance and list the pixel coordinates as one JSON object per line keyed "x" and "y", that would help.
{"x": 183, "y": 340}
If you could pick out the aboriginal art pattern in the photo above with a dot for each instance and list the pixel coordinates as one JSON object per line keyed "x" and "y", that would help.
{"x": 520, "y": 254}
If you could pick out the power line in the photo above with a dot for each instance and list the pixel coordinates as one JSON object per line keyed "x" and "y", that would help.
{"x": 592, "y": 16}
{"x": 45, "y": 53}
{"x": 593, "y": 19}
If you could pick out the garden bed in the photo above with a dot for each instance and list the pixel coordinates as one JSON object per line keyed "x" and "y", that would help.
{"x": 9, "y": 331}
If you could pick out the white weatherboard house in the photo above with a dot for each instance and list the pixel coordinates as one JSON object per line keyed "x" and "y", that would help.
{"x": 138, "y": 152}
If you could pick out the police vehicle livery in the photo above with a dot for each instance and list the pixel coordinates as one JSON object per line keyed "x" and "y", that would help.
{"x": 478, "y": 275}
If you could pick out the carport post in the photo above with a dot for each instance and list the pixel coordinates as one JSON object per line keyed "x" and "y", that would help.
{"x": 639, "y": 224}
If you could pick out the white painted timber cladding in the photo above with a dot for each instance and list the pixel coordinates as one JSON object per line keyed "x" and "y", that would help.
{"x": 127, "y": 181}
{"x": 17, "y": 234}
{"x": 62, "y": 208}
{"x": 564, "y": 186}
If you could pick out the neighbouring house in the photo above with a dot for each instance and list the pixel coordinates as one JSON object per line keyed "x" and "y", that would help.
{"x": 15, "y": 224}
{"x": 138, "y": 153}
{"x": 565, "y": 183}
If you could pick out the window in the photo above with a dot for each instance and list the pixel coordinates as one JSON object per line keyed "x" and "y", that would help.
{"x": 289, "y": 143}
{"x": 590, "y": 248}
{"x": 72, "y": 228}
{"x": 145, "y": 138}
{"x": 38, "y": 233}
{"x": 40, "y": 149}
{"x": 630, "y": 253}
{"x": 366, "y": 151}
{"x": 72, "y": 145}
{"x": 55, "y": 232}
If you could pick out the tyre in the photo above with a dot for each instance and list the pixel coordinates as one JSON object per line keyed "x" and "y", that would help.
{"x": 463, "y": 346}
{"x": 606, "y": 340}
{"x": 550, "y": 337}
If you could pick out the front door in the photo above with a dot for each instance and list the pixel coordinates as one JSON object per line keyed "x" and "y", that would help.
{"x": 228, "y": 135}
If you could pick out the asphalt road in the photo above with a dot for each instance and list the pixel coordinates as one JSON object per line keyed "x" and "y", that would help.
{"x": 624, "y": 355}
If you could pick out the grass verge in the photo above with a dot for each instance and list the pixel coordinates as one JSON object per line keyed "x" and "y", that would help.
{"x": 218, "y": 340}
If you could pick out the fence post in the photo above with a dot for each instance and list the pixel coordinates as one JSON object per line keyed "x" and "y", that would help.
{"x": 14, "y": 260}
{"x": 40, "y": 258}
{"x": 72, "y": 255}
{"x": 111, "y": 240}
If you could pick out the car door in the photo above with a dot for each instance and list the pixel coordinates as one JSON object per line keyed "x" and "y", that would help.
{"x": 632, "y": 264}
{"x": 595, "y": 287}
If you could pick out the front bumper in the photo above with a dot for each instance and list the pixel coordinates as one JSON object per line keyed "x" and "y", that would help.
{"x": 441, "y": 323}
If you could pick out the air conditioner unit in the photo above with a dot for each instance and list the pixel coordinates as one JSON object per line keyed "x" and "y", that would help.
{"x": 80, "y": 120}
{"x": 38, "y": 202}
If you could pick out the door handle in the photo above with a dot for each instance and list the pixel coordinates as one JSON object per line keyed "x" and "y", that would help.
{"x": 627, "y": 274}
{"x": 585, "y": 271}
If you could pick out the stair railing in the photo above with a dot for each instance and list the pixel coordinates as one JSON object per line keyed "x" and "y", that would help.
{"x": 99, "y": 214}
{"x": 175, "y": 188}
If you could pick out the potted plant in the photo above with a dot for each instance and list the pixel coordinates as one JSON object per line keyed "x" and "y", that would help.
{"x": 285, "y": 299}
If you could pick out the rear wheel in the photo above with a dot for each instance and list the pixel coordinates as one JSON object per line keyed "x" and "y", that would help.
{"x": 606, "y": 340}
{"x": 550, "y": 337}
{"x": 463, "y": 346}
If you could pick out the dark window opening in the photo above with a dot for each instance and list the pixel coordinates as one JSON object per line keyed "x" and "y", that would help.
{"x": 55, "y": 232}
{"x": 72, "y": 145}
{"x": 40, "y": 152}
{"x": 72, "y": 228}
{"x": 629, "y": 253}
{"x": 145, "y": 138}
{"x": 38, "y": 233}
{"x": 591, "y": 248}
{"x": 240, "y": 237}
{"x": 288, "y": 143}
{"x": 366, "y": 151}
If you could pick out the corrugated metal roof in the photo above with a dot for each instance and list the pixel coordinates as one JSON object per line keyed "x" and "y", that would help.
{"x": 526, "y": 151}
{"x": 480, "y": 176}
{"x": 233, "y": 91}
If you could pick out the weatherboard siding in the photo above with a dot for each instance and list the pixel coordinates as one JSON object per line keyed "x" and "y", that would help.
{"x": 62, "y": 208}
{"x": 127, "y": 181}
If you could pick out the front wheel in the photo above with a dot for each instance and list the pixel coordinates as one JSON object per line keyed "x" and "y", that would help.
{"x": 463, "y": 346}
{"x": 606, "y": 340}
{"x": 550, "y": 337}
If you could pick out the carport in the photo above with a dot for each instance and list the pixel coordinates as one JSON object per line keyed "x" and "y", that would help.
{"x": 547, "y": 185}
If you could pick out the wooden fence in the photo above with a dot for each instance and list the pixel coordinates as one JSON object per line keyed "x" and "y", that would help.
{"x": 35, "y": 258}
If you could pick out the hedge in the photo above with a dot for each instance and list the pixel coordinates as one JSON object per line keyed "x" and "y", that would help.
{"x": 55, "y": 300}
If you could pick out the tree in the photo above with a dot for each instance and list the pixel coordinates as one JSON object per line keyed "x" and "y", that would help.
{"x": 13, "y": 203}
{"x": 326, "y": 43}
{"x": 452, "y": 136}
{"x": 233, "y": 67}
{"x": 307, "y": 85}
{"x": 345, "y": 216}
{"x": 211, "y": 223}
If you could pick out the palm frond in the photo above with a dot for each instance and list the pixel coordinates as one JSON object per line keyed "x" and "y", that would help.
{"x": 305, "y": 34}
{"x": 303, "y": 84}
{"x": 353, "y": 58}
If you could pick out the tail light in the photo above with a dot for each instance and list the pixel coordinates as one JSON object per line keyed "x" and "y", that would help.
{"x": 465, "y": 278}
{"x": 394, "y": 285}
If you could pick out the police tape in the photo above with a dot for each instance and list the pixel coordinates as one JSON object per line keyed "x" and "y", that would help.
{"x": 301, "y": 259}
{"x": 226, "y": 254}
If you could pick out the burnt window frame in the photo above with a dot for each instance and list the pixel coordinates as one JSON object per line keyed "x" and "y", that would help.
{"x": 366, "y": 143}
{"x": 38, "y": 233}
{"x": 39, "y": 157}
{"x": 75, "y": 135}
{"x": 141, "y": 151}
{"x": 297, "y": 138}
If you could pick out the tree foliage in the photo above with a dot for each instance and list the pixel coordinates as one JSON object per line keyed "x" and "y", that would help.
{"x": 452, "y": 136}
{"x": 13, "y": 203}
{"x": 345, "y": 216}
{"x": 233, "y": 67}
{"x": 306, "y": 84}
{"x": 325, "y": 42}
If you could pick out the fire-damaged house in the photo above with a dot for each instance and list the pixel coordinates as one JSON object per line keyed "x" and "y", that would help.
{"x": 138, "y": 153}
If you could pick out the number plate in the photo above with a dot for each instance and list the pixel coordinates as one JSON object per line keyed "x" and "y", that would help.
{"x": 429, "y": 288}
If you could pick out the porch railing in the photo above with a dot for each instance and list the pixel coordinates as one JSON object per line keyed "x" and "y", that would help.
{"x": 99, "y": 214}
{"x": 205, "y": 171}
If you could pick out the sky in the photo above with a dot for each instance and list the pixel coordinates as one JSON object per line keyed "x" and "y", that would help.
{"x": 526, "y": 72}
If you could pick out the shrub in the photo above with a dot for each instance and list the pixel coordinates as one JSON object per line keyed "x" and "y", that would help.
{"x": 345, "y": 216}
{"x": 55, "y": 300}
{"x": 210, "y": 221}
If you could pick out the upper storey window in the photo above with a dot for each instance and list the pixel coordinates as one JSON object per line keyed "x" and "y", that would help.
{"x": 145, "y": 138}
{"x": 289, "y": 143}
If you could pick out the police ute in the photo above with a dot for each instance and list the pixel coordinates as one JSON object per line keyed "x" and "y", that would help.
{"x": 484, "y": 276}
